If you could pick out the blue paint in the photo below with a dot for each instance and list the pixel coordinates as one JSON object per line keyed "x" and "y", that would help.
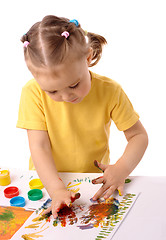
{"x": 85, "y": 227}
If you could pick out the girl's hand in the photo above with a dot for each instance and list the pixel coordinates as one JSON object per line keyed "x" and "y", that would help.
{"x": 112, "y": 179}
{"x": 60, "y": 199}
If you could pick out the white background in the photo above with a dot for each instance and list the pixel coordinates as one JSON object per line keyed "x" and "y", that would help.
{"x": 135, "y": 57}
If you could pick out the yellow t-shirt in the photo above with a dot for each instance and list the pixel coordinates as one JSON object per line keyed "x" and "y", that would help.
{"x": 79, "y": 133}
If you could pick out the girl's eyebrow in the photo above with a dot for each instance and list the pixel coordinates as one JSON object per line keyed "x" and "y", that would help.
{"x": 66, "y": 87}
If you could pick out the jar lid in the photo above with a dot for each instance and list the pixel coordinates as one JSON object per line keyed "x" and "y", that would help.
{"x": 17, "y": 201}
{"x": 11, "y": 192}
{"x": 35, "y": 184}
{"x": 35, "y": 194}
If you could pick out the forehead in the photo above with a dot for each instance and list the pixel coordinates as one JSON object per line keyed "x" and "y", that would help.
{"x": 59, "y": 77}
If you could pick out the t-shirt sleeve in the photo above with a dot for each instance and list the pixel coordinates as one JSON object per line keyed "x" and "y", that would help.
{"x": 123, "y": 113}
{"x": 31, "y": 114}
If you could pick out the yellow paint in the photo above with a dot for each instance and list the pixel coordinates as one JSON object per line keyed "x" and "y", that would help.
{"x": 4, "y": 178}
{"x": 75, "y": 190}
{"x": 43, "y": 225}
{"x": 119, "y": 192}
{"x": 68, "y": 184}
{"x": 75, "y": 185}
{"x": 34, "y": 225}
{"x": 33, "y": 236}
{"x": 39, "y": 218}
{"x": 109, "y": 200}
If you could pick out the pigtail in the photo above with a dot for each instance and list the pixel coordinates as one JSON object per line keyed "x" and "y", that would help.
{"x": 24, "y": 38}
{"x": 96, "y": 42}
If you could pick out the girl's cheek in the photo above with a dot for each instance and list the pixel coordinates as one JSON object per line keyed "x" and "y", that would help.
{"x": 86, "y": 89}
{"x": 55, "y": 98}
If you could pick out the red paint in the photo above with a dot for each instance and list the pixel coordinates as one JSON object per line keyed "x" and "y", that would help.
{"x": 67, "y": 214}
{"x": 72, "y": 200}
{"x": 76, "y": 197}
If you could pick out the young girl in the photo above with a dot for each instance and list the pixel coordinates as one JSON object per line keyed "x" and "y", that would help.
{"x": 67, "y": 110}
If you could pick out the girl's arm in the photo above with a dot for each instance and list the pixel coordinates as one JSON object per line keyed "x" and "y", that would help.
{"x": 115, "y": 175}
{"x": 41, "y": 154}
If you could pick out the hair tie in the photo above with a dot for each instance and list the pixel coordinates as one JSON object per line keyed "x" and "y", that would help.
{"x": 75, "y": 22}
{"x": 26, "y": 43}
{"x": 65, "y": 34}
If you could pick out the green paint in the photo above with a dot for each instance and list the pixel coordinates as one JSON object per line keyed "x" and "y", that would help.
{"x": 7, "y": 215}
{"x": 55, "y": 222}
{"x": 127, "y": 180}
{"x": 116, "y": 217}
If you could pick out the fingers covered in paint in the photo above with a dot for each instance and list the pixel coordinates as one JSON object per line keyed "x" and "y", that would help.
{"x": 48, "y": 210}
{"x": 112, "y": 179}
{"x": 60, "y": 199}
{"x": 101, "y": 166}
{"x": 98, "y": 180}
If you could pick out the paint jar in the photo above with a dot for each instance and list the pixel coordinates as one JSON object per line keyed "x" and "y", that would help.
{"x": 4, "y": 178}
{"x": 35, "y": 194}
{"x": 11, "y": 192}
{"x": 36, "y": 184}
{"x": 17, "y": 201}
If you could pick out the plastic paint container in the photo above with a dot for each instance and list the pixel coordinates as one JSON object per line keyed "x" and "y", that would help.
{"x": 11, "y": 192}
{"x": 17, "y": 201}
{"x": 35, "y": 194}
{"x": 36, "y": 184}
{"x": 4, "y": 178}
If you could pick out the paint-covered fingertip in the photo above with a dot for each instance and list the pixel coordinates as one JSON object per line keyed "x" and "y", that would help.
{"x": 93, "y": 181}
{"x": 96, "y": 163}
{"x": 78, "y": 195}
{"x": 55, "y": 215}
{"x": 94, "y": 198}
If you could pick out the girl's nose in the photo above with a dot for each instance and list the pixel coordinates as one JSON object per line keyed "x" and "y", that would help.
{"x": 67, "y": 97}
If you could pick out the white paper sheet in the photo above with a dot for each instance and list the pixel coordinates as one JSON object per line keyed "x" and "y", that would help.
{"x": 85, "y": 220}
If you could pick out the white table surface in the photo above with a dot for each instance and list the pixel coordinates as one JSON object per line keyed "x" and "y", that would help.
{"x": 147, "y": 218}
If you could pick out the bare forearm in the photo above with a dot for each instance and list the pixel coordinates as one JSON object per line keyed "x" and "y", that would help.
{"x": 133, "y": 153}
{"x": 115, "y": 175}
{"x": 46, "y": 169}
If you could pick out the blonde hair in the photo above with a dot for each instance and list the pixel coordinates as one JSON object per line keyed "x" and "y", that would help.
{"x": 48, "y": 47}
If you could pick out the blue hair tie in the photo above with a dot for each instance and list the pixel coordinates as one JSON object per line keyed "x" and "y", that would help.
{"x": 75, "y": 22}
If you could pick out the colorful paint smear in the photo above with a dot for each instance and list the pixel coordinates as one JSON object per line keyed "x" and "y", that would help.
{"x": 97, "y": 213}
{"x": 33, "y": 236}
{"x": 110, "y": 223}
{"x": 101, "y": 217}
{"x": 11, "y": 220}
{"x": 65, "y": 215}
{"x": 79, "y": 180}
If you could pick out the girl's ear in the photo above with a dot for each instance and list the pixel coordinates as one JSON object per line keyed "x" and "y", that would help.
{"x": 89, "y": 56}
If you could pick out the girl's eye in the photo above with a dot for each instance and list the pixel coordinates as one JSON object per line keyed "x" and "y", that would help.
{"x": 75, "y": 86}
{"x": 53, "y": 92}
